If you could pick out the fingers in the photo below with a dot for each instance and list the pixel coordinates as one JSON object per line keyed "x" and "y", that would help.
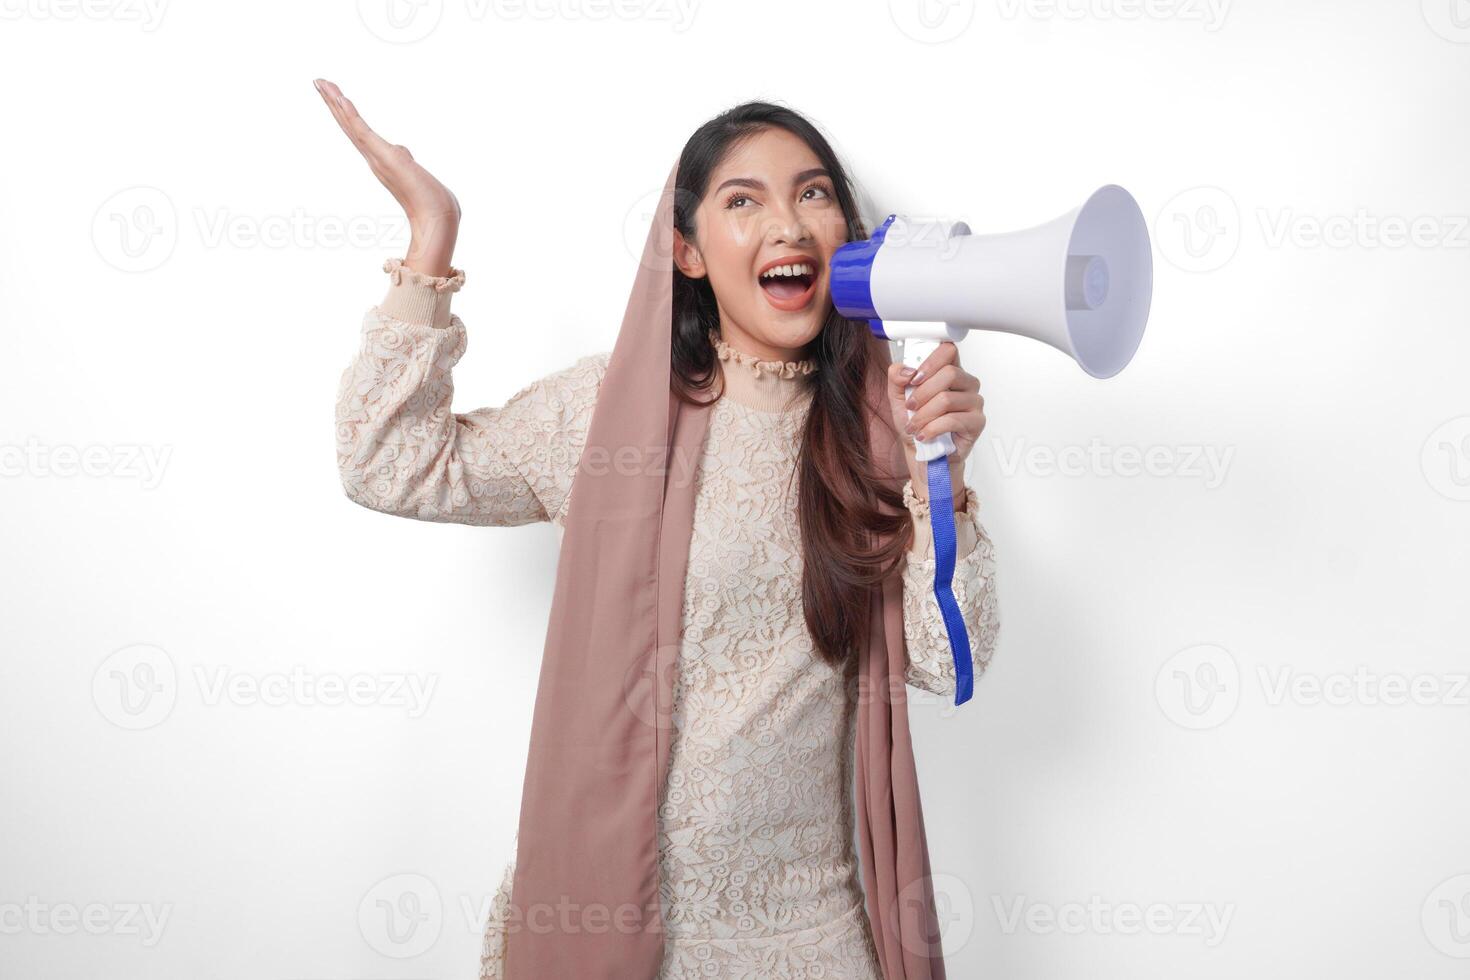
{"x": 896, "y": 380}
{"x": 332, "y": 96}
{"x": 966, "y": 425}
{"x": 942, "y": 405}
{"x": 948, "y": 391}
{"x": 950, "y": 378}
{"x": 945, "y": 353}
{"x": 378, "y": 151}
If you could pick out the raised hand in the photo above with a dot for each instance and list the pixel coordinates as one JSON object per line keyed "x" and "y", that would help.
{"x": 432, "y": 209}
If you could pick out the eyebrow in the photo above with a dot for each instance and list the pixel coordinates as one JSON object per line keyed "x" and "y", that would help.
{"x": 760, "y": 186}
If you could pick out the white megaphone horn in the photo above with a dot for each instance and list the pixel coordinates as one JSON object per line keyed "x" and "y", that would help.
{"x": 1081, "y": 283}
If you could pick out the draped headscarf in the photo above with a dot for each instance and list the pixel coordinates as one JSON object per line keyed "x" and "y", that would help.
{"x": 585, "y": 894}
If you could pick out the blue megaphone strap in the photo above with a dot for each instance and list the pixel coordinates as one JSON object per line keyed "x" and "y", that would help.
{"x": 941, "y": 519}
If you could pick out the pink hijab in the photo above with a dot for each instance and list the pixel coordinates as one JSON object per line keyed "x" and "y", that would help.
{"x": 585, "y": 895}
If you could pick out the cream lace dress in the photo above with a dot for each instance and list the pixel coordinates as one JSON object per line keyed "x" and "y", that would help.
{"x": 759, "y": 872}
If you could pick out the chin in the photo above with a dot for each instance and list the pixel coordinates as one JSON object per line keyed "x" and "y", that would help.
{"x": 794, "y": 329}
{"x": 786, "y": 333}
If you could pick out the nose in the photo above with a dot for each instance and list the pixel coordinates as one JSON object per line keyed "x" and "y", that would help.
{"x": 787, "y": 227}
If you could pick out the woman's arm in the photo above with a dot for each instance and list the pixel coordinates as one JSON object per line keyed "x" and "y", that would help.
{"x": 401, "y": 449}
{"x": 930, "y": 664}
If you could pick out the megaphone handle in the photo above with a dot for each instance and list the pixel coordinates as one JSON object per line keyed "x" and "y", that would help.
{"x": 932, "y": 454}
{"x": 915, "y": 352}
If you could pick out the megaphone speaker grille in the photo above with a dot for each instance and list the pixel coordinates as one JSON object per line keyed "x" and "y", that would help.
{"x": 1109, "y": 249}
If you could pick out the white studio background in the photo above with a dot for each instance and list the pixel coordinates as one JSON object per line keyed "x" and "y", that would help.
{"x": 1224, "y": 733}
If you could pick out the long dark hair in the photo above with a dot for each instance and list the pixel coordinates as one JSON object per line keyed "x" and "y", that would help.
{"x": 849, "y": 544}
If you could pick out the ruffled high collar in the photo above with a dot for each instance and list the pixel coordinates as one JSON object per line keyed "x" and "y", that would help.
{"x": 768, "y": 386}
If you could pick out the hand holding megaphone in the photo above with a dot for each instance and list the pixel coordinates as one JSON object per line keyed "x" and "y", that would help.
{"x": 1081, "y": 283}
{"x": 959, "y": 416}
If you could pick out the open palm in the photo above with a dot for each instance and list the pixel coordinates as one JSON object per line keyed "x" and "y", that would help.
{"x": 432, "y": 209}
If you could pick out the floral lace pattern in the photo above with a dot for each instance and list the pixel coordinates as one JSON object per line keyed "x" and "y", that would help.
{"x": 782, "y": 369}
{"x": 758, "y": 870}
{"x": 402, "y": 450}
{"x": 930, "y": 665}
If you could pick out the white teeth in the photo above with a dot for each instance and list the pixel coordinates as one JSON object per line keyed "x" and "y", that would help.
{"x": 796, "y": 269}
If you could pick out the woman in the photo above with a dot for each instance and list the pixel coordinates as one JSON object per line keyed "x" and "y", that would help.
{"x": 757, "y": 871}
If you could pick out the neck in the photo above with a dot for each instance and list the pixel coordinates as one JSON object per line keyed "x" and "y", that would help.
{"x": 765, "y": 385}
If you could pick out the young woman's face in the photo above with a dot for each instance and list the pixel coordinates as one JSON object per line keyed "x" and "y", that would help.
{"x": 769, "y": 204}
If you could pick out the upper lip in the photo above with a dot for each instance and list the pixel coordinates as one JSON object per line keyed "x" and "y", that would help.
{"x": 790, "y": 260}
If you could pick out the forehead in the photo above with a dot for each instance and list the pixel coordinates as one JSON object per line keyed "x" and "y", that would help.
{"x": 771, "y": 155}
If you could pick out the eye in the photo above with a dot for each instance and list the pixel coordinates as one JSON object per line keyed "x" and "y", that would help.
{"x": 730, "y": 201}
{"x": 818, "y": 187}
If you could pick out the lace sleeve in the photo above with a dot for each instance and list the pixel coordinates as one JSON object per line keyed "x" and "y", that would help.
{"x": 930, "y": 665}
{"x": 402, "y": 450}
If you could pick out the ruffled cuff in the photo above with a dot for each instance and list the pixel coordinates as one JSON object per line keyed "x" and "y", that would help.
{"x": 414, "y": 297}
{"x": 922, "y": 548}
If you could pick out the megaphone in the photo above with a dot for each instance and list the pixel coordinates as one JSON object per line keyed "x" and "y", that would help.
{"x": 1081, "y": 283}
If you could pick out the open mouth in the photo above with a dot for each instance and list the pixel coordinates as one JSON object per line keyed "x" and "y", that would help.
{"x": 789, "y": 287}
